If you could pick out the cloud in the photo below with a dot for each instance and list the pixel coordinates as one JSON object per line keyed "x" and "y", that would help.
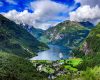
{"x": 44, "y": 13}
{"x": 11, "y": 2}
{"x": 1, "y": 4}
{"x": 91, "y": 3}
{"x": 88, "y": 11}
{"x": 85, "y": 13}
{"x": 20, "y": 17}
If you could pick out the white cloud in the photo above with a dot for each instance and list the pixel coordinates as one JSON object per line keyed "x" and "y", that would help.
{"x": 88, "y": 11}
{"x": 44, "y": 13}
{"x": 85, "y": 13}
{"x": 11, "y": 2}
{"x": 1, "y": 4}
{"x": 48, "y": 9}
{"x": 20, "y": 17}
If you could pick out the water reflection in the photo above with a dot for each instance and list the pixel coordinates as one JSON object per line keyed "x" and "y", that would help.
{"x": 54, "y": 53}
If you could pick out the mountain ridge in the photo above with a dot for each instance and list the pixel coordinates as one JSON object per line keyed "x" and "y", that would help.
{"x": 67, "y": 33}
{"x": 15, "y": 39}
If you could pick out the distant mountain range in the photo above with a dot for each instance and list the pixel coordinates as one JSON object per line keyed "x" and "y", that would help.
{"x": 34, "y": 31}
{"x": 17, "y": 40}
{"x": 67, "y": 33}
{"x": 25, "y": 40}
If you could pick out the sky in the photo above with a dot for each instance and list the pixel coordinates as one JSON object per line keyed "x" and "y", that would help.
{"x": 47, "y": 13}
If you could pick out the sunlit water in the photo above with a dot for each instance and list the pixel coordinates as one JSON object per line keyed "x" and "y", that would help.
{"x": 54, "y": 53}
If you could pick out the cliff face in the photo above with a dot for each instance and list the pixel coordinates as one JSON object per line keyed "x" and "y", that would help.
{"x": 86, "y": 48}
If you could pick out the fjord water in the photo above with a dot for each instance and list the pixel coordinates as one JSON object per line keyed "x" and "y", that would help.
{"x": 54, "y": 53}
{"x": 57, "y": 52}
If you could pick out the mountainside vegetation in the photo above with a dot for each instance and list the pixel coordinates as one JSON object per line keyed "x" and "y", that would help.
{"x": 13, "y": 67}
{"x": 89, "y": 51}
{"x": 15, "y": 39}
{"x": 34, "y": 31}
{"x": 17, "y": 45}
{"x": 84, "y": 65}
{"x": 93, "y": 40}
{"x": 68, "y": 33}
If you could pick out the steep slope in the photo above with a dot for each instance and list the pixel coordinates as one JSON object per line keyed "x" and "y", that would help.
{"x": 34, "y": 31}
{"x": 68, "y": 33}
{"x": 89, "y": 50}
{"x": 13, "y": 67}
{"x": 93, "y": 40}
{"x": 15, "y": 39}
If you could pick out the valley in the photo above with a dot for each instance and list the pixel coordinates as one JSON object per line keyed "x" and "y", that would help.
{"x": 66, "y": 35}
{"x": 68, "y": 50}
{"x": 15, "y": 39}
{"x": 49, "y": 39}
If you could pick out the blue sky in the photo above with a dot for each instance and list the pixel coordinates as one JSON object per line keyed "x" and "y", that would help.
{"x": 21, "y": 5}
{"x": 45, "y": 13}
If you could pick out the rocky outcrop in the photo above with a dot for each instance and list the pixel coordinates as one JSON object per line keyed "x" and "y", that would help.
{"x": 86, "y": 48}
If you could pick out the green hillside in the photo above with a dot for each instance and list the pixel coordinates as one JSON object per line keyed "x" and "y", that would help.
{"x": 93, "y": 39}
{"x": 67, "y": 34}
{"x": 13, "y": 67}
{"x": 14, "y": 39}
{"x": 64, "y": 27}
{"x": 89, "y": 51}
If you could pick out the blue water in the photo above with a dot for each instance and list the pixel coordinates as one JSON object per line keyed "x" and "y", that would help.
{"x": 54, "y": 53}
{"x": 57, "y": 52}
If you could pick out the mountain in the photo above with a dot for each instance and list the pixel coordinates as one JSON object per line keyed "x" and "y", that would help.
{"x": 92, "y": 42}
{"x": 15, "y": 39}
{"x": 89, "y": 50}
{"x": 87, "y": 24}
{"x": 34, "y": 31}
{"x": 13, "y": 67}
{"x": 67, "y": 33}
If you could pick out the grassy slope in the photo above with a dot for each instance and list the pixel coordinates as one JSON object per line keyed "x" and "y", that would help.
{"x": 15, "y": 39}
{"x": 93, "y": 39}
{"x": 13, "y": 67}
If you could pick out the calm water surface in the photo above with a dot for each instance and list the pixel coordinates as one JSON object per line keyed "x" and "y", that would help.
{"x": 54, "y": 53}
